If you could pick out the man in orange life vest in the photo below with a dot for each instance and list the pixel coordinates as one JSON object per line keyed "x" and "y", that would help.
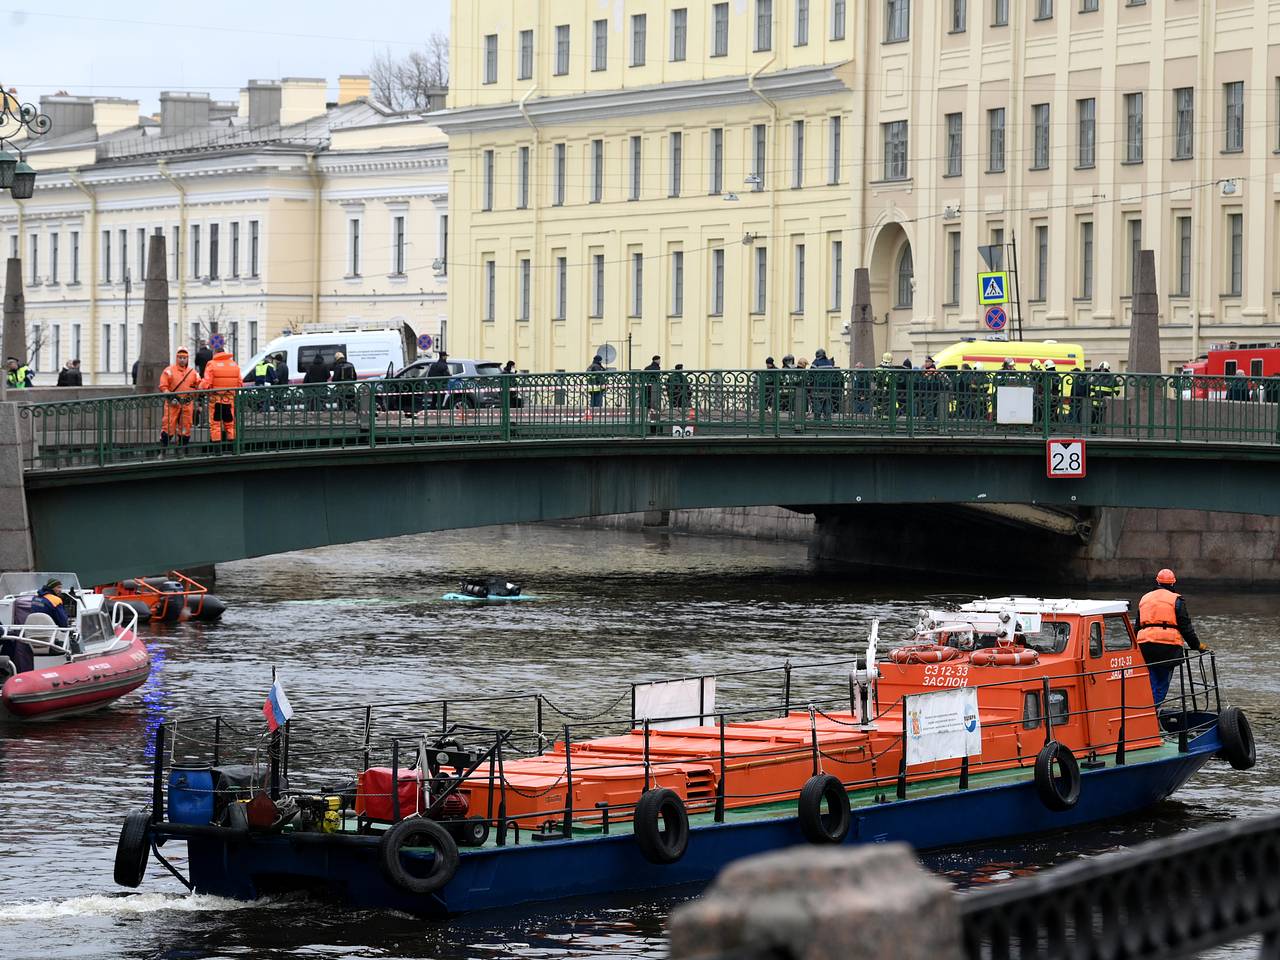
{"x": 222, "y": 374}
{"x": 178, "y": 378}
{"x": 1163, "y": 626}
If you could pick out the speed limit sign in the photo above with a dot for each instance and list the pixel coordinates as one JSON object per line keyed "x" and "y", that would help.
{"x": 1064, "y": 458}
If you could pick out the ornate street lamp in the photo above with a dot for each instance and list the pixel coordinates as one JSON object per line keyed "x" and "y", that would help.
{"x": 16, "y": 175}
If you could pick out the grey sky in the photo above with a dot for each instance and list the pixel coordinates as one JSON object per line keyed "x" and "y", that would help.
{"x": 135, "y": 49}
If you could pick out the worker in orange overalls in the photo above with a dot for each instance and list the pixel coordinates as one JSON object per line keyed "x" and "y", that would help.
{"x": 178, "y": 378}
{"x": 222, "y": 374}
{"x": 1164, "y": 626}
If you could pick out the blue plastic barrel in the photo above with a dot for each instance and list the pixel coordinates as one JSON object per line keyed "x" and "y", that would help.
{"x": 191, "y": 795}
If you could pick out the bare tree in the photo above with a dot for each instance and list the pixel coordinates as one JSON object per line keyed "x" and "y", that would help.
{"x": 415, "y": 81}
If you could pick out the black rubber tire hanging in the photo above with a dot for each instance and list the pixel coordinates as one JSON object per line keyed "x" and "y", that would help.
{"x": 818, "y": 827}
{"x": 1059, "y": 791}
{"x": 661, "y": 825}
{"x": 409, "y": 832}
{"x": 1236, "y": 735}
{"x": 133, "y": 848}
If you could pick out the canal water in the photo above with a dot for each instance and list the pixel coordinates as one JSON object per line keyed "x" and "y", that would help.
{"x": 362, "y": 623}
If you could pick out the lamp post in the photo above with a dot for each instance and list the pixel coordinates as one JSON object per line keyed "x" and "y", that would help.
{"x": 16, "y": 175}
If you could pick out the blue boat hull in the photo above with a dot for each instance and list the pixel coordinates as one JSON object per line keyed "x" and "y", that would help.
{"x": 492, "y": 598}
{"x": 553, "y": 870}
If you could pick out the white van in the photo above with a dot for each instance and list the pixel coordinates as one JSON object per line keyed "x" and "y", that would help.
{"x": 371, "y": 352}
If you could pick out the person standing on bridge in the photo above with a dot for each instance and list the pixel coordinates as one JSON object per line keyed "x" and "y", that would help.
{"x": 18, "y": 376}
{"x": 1163, "y": 627}
{"x": 595, "y": 384}
{"x": 203, "y": 356}
{"x": 178, "y": 380}
{"x": 222, "y": 374}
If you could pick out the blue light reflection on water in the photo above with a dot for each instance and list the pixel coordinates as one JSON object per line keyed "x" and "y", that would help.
{"x": 154, "y": 697}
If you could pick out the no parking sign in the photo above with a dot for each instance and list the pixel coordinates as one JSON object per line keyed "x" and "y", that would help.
{"x": 995, "y": 318}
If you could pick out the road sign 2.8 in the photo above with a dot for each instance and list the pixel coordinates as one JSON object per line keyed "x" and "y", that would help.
{"x": 1065, "y": 458}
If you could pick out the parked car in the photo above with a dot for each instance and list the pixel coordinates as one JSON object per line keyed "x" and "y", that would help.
{"x": 371, "y": 352}
{"x": 469, "y": 385}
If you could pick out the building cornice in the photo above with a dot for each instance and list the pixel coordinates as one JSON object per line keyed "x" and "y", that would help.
{"x": 710, "y": 95}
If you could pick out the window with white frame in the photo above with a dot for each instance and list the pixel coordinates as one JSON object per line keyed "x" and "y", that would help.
{"x": 558, "y": 174}
{"x": 720, "y": 29}
{"x": 1042, "y": 262}
{"x": 1040, "y": 127}
{"x": 635, "y": 167}
{"x": 999, "y": 13}
{"x": 637, "y": 284}
{"x": 759, "y": 140}
{"x": 639, "y": 38}
{"x": 1233, "y": 95}
{"x": 897, "y": 20}
{"x": 124, "y": 253}
{"x": 490, "y": 290}
{"x": 764, "y": 25}
{"x": 195, "y": 251}
{"x": 955, "y": 144}
{"x": 397, "y": 245}
{"x": 597, "y": 285}
{"x": 677, "y": 283}
{"x": 953, "y": 267}
{"x": 600, "y": 47}
{"x": 253, "y": 248}
{"x": 679, "y": 33}
{"x": 717, "y": 282}
{"x": 1086, "y": 131}
{"x": 1184, "y": 100}
{"x": 761, "y": 300}
{"x": 526, "y": 282}
{"x": 995, "y": 140}
{"x": 797, "y": 154}
{"x": 106, "y": 253}
{"x": 1235, "y": 265}
{"x": 717, "y": 160}
{"x": 1183, "y": 286}
{"x": 53, "y": 257}
{"x": 523, "y": 177}
{"x": 597, "y": 171}
{"x": 1133, "y": 127}
{"x": 353, "y": 247}
{"x": 487, "y": 201}
{"x": 675, "y": 143}
{"x": 141, "y": 255}
{"x": 837, "y": 276}
{"x": 1044, "y": 9}
{"x": 895, "y": 149}
{"x": 959, "y": 15}
{"x": 75, "y": 258}
{"x": 235, "y": 250}
{"x": 491, "y": 58}
{"x": 214, "y": 251}
{"x": 906, "y": 278}
{"x": 797, "y": 302}
{"x": 34, "y": 258}
{"x": 1086, "y": 259}
{"x": 443, "y": 243}
{"x": 562, "y": 288}
{"x": 562, "y": 49}
{"x": 802, "y": 23}
{"x": 1133, "y": 226}
{"x": 835, "y": 137}
{"x": 526, "y": 55}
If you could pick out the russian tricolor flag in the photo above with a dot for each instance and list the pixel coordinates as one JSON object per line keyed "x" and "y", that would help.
{"x": 276, "y": 709}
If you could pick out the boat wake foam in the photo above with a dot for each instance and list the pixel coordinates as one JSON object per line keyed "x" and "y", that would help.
{"x": 131, "y": 904}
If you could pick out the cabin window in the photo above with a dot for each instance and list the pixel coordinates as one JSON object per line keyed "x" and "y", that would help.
{"x": 1032, "y": 714}
{"x": 95, "y": 627}
{"x": 325, "y": 351}
{"x": 1058, "y": 711}
{"x": 1031, "y": 710}
{"x": 1052, "y": 638}
{"x": 1095, "y": 639}
{"x": 1117, "y": 637}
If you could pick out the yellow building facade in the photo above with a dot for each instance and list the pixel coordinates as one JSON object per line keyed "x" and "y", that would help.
{"x": 1082, "y": 130}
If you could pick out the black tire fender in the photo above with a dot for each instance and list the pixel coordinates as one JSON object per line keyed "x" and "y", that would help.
{"x": 1061, "y": 791}
{"x": 1236, "y": 735}
{"x": 661, "y": 825}
{"x": 133, "y": 848}
{"x": 818, "y": 827}
{"x": 413, "y": 832}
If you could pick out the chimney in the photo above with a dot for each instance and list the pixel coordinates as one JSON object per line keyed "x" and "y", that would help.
{"x": 114, "y": 113}
{"x": 353, "y": 86}
{"x": 181, "y": 112}
{"x": 264, "y": 103}
{"x": 67, "y": 114}
{"x": 301, "y": 99}
{"x": 220, "y": 111}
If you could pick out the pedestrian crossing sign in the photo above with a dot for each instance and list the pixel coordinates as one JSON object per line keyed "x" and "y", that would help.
{"x": 993, "y": 288}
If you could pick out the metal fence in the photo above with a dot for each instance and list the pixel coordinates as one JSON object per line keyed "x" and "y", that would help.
{"x": 888, "y": 402}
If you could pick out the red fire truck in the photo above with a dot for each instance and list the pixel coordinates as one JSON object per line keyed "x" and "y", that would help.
{"x": 1223, "y": 360}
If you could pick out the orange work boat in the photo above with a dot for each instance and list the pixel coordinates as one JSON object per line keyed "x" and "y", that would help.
{"x": 167, "y": 599}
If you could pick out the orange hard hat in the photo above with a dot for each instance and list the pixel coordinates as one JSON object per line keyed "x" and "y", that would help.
{"x": 1166, "y": 576}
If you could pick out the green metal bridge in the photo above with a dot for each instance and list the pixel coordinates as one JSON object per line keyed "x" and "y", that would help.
{"x": 340, "y": 463}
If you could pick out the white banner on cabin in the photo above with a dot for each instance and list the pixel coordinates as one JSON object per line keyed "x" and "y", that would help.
{"x": 943, "y": 725}
{"x": 672, "y": 704}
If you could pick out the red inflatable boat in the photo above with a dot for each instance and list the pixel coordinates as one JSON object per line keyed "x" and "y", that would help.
{"x": 50, "y": 671}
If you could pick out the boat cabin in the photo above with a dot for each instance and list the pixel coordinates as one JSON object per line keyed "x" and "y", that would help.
{"x": 31, "y": 634}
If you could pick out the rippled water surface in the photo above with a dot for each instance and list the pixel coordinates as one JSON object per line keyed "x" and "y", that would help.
{"x": 362, "y": 623}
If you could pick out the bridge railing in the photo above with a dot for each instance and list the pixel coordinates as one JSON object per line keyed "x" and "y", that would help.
{"x": 638, "y": 404}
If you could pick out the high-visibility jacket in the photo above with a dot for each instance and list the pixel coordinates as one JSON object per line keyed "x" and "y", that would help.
{"x": 264, "y": 373}
{"x": 222, "y": 373}
{"x": 19, "y": 379}
{"x": 1158, "y": 617}
{"x": 179, "y": 379}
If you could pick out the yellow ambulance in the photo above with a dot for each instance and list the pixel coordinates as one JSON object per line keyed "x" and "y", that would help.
{"x": 992, "y": 354}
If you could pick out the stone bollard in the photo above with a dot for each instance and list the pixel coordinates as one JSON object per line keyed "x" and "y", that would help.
{"x": 811, "y": 903}
{"x": 15, "y": 528}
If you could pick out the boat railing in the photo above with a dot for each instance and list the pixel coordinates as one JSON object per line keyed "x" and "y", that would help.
{"x": 124, "y": 618}
{"x": 328, "y": 746}
{"x": 44, "y": 640}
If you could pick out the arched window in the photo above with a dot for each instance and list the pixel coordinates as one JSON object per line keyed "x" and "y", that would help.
{"x": 906, "y": 271}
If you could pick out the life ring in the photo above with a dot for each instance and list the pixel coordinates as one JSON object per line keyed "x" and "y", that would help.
{"x": 1237, "y": 739}
{"x": 1060, "y": 792}
{"x": 819, "y": 827}
{"x": 132, "y": 849}
{"x": 661, "y": 825}
{"x": 925, "y": 653}
{"x": 418, "y": 832}
{"x": 1004, "y": 656}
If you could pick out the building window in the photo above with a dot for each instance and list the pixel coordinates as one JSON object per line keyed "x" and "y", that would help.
{"x": 490, "y": 290}
{"x": 897, "y": 20}
{"x": 35, "y": 259}
{"x": 1044, "y": 9}
{"x": 635, "y": 168}
{"x": 837, "y": 275}
{"x": 717, "y": 160}
{"x": 762, "y": 280}
{"x": 353, "y": 248}
{"x": 558, "y": 152}
{"x": 526, "y": 283}
{"x": 253, "y": 337}
{"x": 1234, "y": 95}
{"x": 562, "y": 49}
{"x": 720, "y": 29}
{"x": 1135, "y": 253}
{"x": 597, "y": 290}
{"x": 75, "y": 258}
{"x": 562, "y": 288}
{"x": 764, "y": 25}
{"x": 442, "y": 239}
{"x": 717, "y": 282}
{"x": 253, "y": 248}
{"x": 397, "y": 246}
{"x": 797, "y": 154}
{"x": 53, "y": 258}
{"x": 142, "y": 255}
{"x": 600, "y": 44}
{"x": 488, "y": 181}
{"x": 906, "y": 278}
{"x": 953, "y": 267}
{"x": 1086, "y": 259}
{"x": 1086, "y": 132}
{"x": 800, "y": 271}
{"x": 1184, "y": 257}
{"x": 677, "y": 283}
{"x": 1042, "y": 262}
{"x": 679, "y": 33}
{"x": 997, "y": 248}
{"x": 124, "y": 253}
{"x": 959, "y": 15}
{"x": 1235, "y": 230}
{"x": 491, "y": 58}
{"x": 597, "y": 171}
{"x": 57, "y": 346}
{"x": 106, "y": 347}
{"x": 675, "y": 143}
{"x": 1040, "y": 121}
{"x": 802, "y": 22}
{"x": 895, "y": 150}
{"x": 75, "y": 341}
{"x": 995, "y": 140}
{"x": 836, "y": 127}
{"x": 1000, "y": 13}
{"x": 195, "y": 251}
{"x": 235, "y": 249}
{"x": 639, "y": 31}
{"x": 837, "y": 19}
{"x": 1091, "y": 6}
{"x": 758, "y": 156}
{"x": 955, "y": 144}
{"x": 523, "y": 199}
{"x": 637, "y": 284}
{"x": 526, "y": 55}
{"x": 1133, "y": 127}
{"x": 1184, "y": 100}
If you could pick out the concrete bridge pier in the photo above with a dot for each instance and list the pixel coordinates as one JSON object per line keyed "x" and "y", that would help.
{"x": 15, "y": 525}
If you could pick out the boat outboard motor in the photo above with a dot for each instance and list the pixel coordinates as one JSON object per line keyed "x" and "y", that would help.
{"x": 474, "y": 588}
